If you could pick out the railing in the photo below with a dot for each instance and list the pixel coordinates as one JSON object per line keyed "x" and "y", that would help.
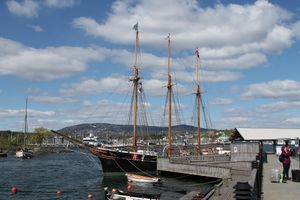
{"x": 195, "y": 159}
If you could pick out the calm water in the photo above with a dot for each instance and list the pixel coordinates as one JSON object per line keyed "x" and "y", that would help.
{"x": 76, "y": 174}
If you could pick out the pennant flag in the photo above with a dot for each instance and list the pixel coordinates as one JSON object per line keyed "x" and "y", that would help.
{"x": 197, "y": 52}
{"x": 135, "y": 27}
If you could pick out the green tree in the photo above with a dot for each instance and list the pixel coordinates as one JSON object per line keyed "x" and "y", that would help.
{"x": 40, "y": 134}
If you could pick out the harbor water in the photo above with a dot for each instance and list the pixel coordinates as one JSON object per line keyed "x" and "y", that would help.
{"x": 77, "y": 174}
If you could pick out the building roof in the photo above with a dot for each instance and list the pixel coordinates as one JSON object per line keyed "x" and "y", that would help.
{"x": 268, "y": 133}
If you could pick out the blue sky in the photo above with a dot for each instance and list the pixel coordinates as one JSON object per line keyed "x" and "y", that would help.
{"x": 73, "y": 58}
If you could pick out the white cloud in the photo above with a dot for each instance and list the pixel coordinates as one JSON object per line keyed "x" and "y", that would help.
{"x": 30, "y": 8}
{"x": 238, "y": 62}
{"x": 117, "y": 84}
{"x": 114, "y": 83}
{"x": 27, "y": 8}
{"x": 204, "y": 76}
{"x": 45, "y": 64}
{"x": 181, "y": 67}
{"x": 51, "y": 99}
{"x": 220, "y": 101}
{"x": 154, "y": 87}
{"x": 104, "y": 111}
{"x": 277, "y": 39}
{"x": 36, "y": 28}
{"x": 278, "y": 106}
{"x": 188, "y": 23}
{"x": 254, "y": 117}
{"x": 248, "y": 31}
{"x": 292, "y": 121}
{"x": 60, "y": 3}
{"x": 296, "y": 29}
{"x": 31, "y": 112}
{"x": 237, "y": 119}
{"x": 286, "y": 89}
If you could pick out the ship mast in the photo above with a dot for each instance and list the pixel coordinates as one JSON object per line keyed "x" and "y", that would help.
{"x": 169, "y": 99}
{"x": 25, "y": 123}
{"x": 135, "y": 81}
{"x": 198, "y": 96}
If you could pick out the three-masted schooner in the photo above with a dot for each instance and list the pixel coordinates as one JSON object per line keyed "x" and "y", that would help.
{"x": 117, "y": 159}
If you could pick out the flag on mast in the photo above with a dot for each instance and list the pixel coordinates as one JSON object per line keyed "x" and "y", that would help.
{"x": 197, "y": 52}
{"x": 135, "y": 27}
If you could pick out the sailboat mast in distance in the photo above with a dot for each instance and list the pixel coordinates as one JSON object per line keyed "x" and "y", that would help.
{"x": 169, "y": 99}
{"x": 135, "y": 81}
{"x": 25, "y": 123}
{"x": 198, "y": 96}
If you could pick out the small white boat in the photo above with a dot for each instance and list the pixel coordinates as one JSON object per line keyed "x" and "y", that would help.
{"x": 119, "y": 194}
{"x": 141, "y": 178}
{"x": 24, "y": 153}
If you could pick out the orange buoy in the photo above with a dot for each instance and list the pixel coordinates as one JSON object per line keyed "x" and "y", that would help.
{"x": 59, "y": 193}
{"x": 114, "y": 190}
{"x": 14, "y": 190}
{"x": 129, "y": 187}
{"x": 90, "y": 196}
{"x": 130, "y": 181}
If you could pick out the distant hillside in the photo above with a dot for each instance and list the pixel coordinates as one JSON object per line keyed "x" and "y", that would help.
{"x": 114, "y": 129}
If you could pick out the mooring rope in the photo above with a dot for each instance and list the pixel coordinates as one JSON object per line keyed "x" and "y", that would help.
{"x": 140, "y": 169}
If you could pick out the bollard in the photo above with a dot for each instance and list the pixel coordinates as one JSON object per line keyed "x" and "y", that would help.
{"x": 243, "y": 191}
{"x": 225, "y": 182}
{"x": 217, "y": 190}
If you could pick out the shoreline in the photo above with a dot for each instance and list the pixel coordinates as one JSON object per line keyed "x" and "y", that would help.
{"x": 38, "y": 150}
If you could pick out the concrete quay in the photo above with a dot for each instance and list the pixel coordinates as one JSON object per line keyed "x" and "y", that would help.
{"x": 271, "y": 191}
{"x": 186, "y": 166}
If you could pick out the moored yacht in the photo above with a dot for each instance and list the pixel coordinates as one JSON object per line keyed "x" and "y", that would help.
{"x": 91, "y": 140}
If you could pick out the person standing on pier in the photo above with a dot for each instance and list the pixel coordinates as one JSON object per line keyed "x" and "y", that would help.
{"x": 286, "y": 162}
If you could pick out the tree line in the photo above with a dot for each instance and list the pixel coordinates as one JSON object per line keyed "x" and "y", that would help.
{"x": 12, "y": 139}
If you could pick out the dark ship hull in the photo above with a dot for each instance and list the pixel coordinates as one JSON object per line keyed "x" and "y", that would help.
{"x": 113, "y": 160}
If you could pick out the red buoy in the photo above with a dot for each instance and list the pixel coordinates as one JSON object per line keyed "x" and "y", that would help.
{"x": 14, "y": 190}
{"x": 130, "y": 181}
{"x": 129, "y": 187}
{"x": 90, "y": 196}
{"x": 58, "y": 193}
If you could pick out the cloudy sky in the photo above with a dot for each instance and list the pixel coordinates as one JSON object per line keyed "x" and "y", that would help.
{"x": 73, "y": 59}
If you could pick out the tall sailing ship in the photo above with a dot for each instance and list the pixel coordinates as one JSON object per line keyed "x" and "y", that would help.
{"x": 133, "y": 158}
{"x": 138, "y": 160}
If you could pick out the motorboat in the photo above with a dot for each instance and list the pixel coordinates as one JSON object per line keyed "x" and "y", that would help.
{"x": 128, "y": 195}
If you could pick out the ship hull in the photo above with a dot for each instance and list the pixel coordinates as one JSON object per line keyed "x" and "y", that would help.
{"x": 120, "y": 161}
